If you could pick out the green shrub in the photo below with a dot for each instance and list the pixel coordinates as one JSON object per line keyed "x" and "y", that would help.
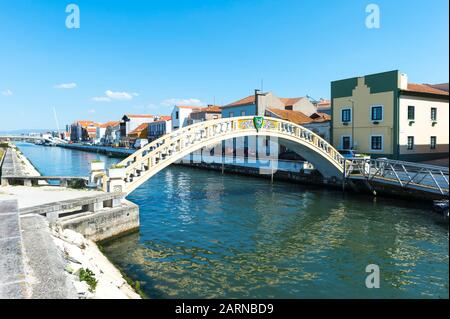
{"x": 88, "y": 276}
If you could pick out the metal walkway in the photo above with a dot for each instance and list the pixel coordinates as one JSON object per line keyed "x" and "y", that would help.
{"x": 425, "y": 178}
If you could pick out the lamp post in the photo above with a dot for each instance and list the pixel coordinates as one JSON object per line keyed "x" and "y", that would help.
{"x": 352, "y": 117}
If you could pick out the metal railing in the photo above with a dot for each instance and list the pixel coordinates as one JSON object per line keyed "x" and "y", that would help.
{"x": 428, "y": 178}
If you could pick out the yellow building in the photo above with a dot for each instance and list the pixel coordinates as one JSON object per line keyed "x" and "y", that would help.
{"x": 385, "y": 116}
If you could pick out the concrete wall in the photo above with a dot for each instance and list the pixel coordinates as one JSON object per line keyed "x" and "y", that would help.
{"x": 105, "y": 224}
{"x": 233, "y": 111}
{"x": 305, "y": 106}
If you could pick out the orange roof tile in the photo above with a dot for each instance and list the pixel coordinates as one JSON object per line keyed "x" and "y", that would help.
{"x": 247, "y": 100}
{"x": 189, "y": 107}
{"x": 140, "y": 128}
{"x": 163, "y": 118}
{"x": 84, "y": 123}
{"x": 296, "y": 117}
{"x": 139, "y": 115}
{"x": 423, "y": 88}
{"x": 110, "y": 123}
{"x": 320, "y": 117}
{"x": 289, "y": 101}
{"x": 210, "y": 109}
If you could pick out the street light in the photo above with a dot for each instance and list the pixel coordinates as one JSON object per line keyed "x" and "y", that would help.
{"x": 352, "y": 117}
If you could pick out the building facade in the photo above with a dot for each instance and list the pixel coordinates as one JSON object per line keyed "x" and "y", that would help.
{"x": 83, "y": 131}
{"x": 130, "y": 122}
{"x": 259, "y": 103}
{"x": 180, "y": 115}
{"x": 161, "y": 126}
{"x": 211, "y": 112}
{"x": 385, "y": 116}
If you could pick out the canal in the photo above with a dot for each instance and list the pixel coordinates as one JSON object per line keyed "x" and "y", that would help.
{"x": 207, "y": 235}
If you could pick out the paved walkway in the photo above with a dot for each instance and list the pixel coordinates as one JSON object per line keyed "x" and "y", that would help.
{"x": 45, "y": 263}
{"x": 12, "y": 275}
{"x": 35, "y": 196}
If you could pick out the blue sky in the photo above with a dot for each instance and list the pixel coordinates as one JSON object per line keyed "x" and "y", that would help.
{"x": 142, "y": 56}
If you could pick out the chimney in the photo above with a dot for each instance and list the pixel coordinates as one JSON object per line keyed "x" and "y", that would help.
{"x": 403, "y": 81}
{"x": 256, "y": 101}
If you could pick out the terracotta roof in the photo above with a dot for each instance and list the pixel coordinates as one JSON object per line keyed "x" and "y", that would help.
{"x": 441, "y": 86}
{"x": 210, "y": 109}
{"x": 296, "y": 117}
{"x": 84, "y": 123}
{"x": 324, "y": 102}
{"x": 320, "y": 117}
{"x": 139, "y": 129}
{"x": 110, "y": 123}
{"x": 247, "y": 100}
{"x": 424, "y": 88}
{"x": 163, "y": 118}
{"x": 289, "y": 101}
{"x": 189, "y": 107}
{"x": 139, "y": 115}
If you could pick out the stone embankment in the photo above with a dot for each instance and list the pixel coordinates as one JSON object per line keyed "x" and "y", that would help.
{"x": 41, "y": 260}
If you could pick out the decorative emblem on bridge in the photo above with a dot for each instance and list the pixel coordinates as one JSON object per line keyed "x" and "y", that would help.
{"x": 258, "y": 122}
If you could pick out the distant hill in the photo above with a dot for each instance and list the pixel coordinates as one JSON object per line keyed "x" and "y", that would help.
{"x": 25, "y": 131}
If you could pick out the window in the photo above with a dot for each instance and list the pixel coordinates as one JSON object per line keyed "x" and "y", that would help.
{"x": 231, "y": 114}
{"x": 411, "y": 113}
{"x": 242, "y": 113}
{"x": 346, "y": 115}
{"x": 410, "y": 142}
{"x": 215, "y": 117}
{"x": 176, "y": 115}
{"x": 434, "y": 114}
{"x": 346, "y": 142}
{"x": 376, "y": 142}
{"x": 377, "y": 113}
{"x": 433, "y": 142}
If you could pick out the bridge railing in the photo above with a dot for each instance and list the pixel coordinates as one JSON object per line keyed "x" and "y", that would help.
{"x": 405, "y": 174}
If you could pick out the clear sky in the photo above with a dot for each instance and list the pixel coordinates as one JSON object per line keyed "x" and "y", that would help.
{"x": 143, "y": 56}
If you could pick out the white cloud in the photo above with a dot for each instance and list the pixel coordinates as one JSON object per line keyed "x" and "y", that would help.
{"x": 187, "y": 102}
{"x": 65, "y": 86}
{"x": 100, "y": 99}
{"x": 111, "y": 95}
{"x": 120, "y": 95}
{"x": 91, "y": 111}
{"x": 7, "y": 92}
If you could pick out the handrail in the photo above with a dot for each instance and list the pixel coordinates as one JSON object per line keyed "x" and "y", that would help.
{"x": 405, "y": 174}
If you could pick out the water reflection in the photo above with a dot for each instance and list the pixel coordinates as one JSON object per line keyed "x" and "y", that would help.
{"x": 209, "y": 235}
{"x": 222, "y": 236}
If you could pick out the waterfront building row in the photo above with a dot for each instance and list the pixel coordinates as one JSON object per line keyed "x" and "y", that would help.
{"x": 382, "y": 115}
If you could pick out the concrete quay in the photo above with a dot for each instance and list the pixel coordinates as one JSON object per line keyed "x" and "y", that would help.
{"x": 41, "y": 254}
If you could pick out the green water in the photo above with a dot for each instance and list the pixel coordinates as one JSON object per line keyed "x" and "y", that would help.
{"x": 207, "y": 235}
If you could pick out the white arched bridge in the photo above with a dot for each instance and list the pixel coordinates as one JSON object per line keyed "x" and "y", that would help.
{"x": 27, "y": 138}
{"x": 137, "y": 168}
{"x": 148, "y": 161}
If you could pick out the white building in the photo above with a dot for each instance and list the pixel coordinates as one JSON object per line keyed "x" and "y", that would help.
{"x": 180, "y": 115}
{"x": 161, "y": 126}
{"x": 131, "y": 121}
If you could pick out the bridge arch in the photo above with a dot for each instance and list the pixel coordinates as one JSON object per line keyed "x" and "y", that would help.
{"x": 148, "y": 161}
